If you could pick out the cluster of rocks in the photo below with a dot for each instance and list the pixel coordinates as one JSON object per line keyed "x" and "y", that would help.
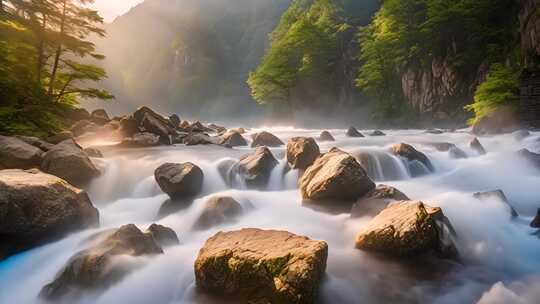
{"x": 61, "y": 157}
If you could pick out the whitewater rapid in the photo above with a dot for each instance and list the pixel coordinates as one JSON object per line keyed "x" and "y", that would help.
{"x": 500, "y": 255}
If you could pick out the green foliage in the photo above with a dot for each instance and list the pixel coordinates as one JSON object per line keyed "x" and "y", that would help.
{"x": 412, "y": 33}
{"x": 501, "y": 89}
{"x": 305, "y": 47}
{"x": 40, "y": 77}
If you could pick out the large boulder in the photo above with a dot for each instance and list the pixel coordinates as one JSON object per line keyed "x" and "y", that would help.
{"x": 256, "y": 168}
{"x": 140, "y": 140}
{"x": 302, "y": 152}
{"x": 376, "y": 200}
{"x": 502, "y": 120}
{"x": 335, "y": 175}
{"x": 36, "y": 208}
{"x": 496, "y": 195}
{"x": 128, "y": 126}
{"x": 218, "y": 210}
{"x": 411, "y": 154}
{"x": 98, "y": 267}
{"x": 408, "y": 228}
{"x": 68, "y": 161}
{"x": 153, "y": 122}
{"x": 36, "y": 142}
{"x": 266, "y": 139}
{"x": 60, "y": 137}
{"x": 233, "y": 139}
{"x": 353, "y": 132}
{"x": 17, "y": 154}
{"x": 326, "y": 136}
{"x": 477, "y": 146}
{"x": 100, "y": 117}
{"x": 262, "y": 266}
{"x": 179, "y": 181}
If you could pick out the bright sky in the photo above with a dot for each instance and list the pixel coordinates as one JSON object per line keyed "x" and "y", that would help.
{"x": 110, "y": 9}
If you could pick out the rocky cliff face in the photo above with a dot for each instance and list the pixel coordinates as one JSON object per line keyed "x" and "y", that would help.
{"x": 529, "y": 20}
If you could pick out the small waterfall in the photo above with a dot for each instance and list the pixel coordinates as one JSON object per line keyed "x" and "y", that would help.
{"x": 383, "y": 166}
{"x": 277, "y": 178}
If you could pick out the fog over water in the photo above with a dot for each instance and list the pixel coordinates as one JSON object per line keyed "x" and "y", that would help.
{"x": 500, "y": 255}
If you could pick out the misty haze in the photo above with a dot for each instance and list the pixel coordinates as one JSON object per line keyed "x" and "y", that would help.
{"x": 270, "y": 151}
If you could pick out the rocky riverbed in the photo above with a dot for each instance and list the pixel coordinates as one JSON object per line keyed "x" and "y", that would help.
{"x": 152, "y": 209}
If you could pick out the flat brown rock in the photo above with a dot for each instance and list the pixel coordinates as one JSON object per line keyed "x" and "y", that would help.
{"x": 262, "y": 266}
{"x": 266, "y": 139}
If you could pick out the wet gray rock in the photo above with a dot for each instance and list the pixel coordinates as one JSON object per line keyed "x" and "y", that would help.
{"x": 477, "y": 146}
{"x": 531, "y": 157}
{"x": 179, "y": 181}
{"x": 536, "y": 221}
{"x": 521, "y": 135}
{"x": 377, "y": 133}
{"x": 68, "y": 161}
{"x": 353, "y": 132}
{"x": 326, "y": 136}
{"x": 410, "y": 153}
{"x": 17, "y": 154}
{"x": 60, "y": 137}
{"x": 36, "y": 208}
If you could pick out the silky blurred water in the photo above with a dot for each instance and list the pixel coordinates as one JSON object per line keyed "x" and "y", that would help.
{"x": 500, "y": 256}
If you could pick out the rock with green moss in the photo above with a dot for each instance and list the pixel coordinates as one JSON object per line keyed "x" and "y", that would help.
{"x": 408, "y": 228}
{"x": 262, "y": 266}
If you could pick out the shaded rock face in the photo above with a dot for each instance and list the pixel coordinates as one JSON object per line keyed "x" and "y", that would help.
{"x": 95, "y": 269}
{"x": 233, "y": 139}
{"x": 163, "y": 236}
{"x": 218, "y": 210}
{"x": 499, "y": 195}
{"x": 477, "y": 146}
{"x": 128, "y": 126}
{"x": 500, "y": 121}
{"x": 140, "y": 140}
{"x": 100, "y": 117}
{"x": 377, "y": 133}
{"x": 536, "y": 221}
{"x": 376, "y": 200}
{"x": 302, "y": 152}
{"x": 530, "y": 32}
{"x": 154, "y": 123}
{"x": 175, "y": 120}
{"x": 179, "y": 181}
{"x": 326, "y": 136}
{"x": 60, "y": 137}
{"x": 17, "y": 154}
{"x": 335, "y": 175}
{"x": 353, "y": 132}
{"x": 256, "y": 168}
{"x": 262, "y": 266}
{"x": 68, "y": 161}
{"x": 36, "y": 142}
{"x": 36, "y": 207}
{"x": 93, "y": 152}
{"x": 411, "y": 154}
{"x": 531, "y": 157}
{"x": 408, "y": 228}
{"x": 266, "y": 139}
{"x": 194, "y": 139}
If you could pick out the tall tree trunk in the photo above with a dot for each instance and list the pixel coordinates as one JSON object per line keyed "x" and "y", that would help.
{"x": 41, "y": 49}
{"x": 58, "y": 50}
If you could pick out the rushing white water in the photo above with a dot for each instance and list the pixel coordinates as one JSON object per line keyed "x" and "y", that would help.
{"x": 501, "y": 256}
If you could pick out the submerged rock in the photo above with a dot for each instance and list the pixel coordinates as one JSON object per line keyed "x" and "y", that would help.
{"x": 377, "y": 133}
{"x": 256, "y": 168}
{"x": 499, "y": 195}
{"x": 376, "y": 200}
{"x": 353, "y": 132}
{"x": 266, "y": 139}
{"x": 408, "y": 228}
{"x": 531, "y": 157}
{"x": 95, "y": 269}
{"x": 410, "y": 153}
{"x": 218, "y": 210}
{"x": 477, "y": 146}
{"x": 262, "y": 266}
{"x": 536, "y": 221}
{"x": 140, "y": 140}
{"x": 521, "y": 135}
{"x": 17, "y": 154}
{"x": 68, "y": 161}
{"x": 36, "y": 208}
{"x": 163, "y": 236}
{"x": 326, "y": 136}
{"x": 179, "y": 181}
{"x": 335, "y": 175}
{"x": 302, "y": 152}
{"x": 452, "y": 149}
